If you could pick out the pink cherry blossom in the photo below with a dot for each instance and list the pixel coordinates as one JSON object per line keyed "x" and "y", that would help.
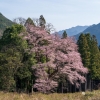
{"x": 63, "y": 56}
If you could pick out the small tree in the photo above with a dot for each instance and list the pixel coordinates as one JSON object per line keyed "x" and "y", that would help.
{"x": 64, "y": 35}
{"x": 50, "y": 28}
{"x": 42, "y": 21}
{"x": 19, "y": 20}
{"x": 29, "y": 21}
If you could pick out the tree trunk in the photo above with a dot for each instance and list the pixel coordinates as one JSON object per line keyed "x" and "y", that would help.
{"x": 80, "y": 87}
{"x": 90, "y": 84}
{"x": 75, "y": 88}
{"x": 62, "y": 87}
{"x": 32, "y": 87}
{"x": 85, "y": 83}
{"x": 70, "y": 88}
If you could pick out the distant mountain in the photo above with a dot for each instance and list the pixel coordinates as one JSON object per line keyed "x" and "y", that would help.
{"x": 93, "y": 30}
{"x": 4, "y": 22}
{"x": 73, "y": 31}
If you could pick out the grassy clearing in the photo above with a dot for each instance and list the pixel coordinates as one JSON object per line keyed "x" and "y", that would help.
{"x": 95, "y": 95}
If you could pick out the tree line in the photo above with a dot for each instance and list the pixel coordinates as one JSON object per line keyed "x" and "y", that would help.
{"x": 90, "y": 54}
{"x": 32, "y": 59}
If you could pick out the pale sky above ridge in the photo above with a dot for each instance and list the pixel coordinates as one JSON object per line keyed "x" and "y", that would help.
{"x": 62, "y": 14}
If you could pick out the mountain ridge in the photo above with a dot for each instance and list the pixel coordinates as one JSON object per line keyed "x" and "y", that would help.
{"x": 73, "y": 30}
{"x": 93, "y": 30}
{"x": 4, "y": 23}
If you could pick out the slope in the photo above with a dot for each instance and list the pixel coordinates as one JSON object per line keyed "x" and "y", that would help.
{"x": 4, "y": 23}
{"x": 93, "y": 30}
{"x": 73, "y": 31}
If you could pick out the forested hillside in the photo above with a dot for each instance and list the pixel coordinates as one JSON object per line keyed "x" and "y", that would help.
{"x": 93, "y": 30}
{"x": 4, "y": 23}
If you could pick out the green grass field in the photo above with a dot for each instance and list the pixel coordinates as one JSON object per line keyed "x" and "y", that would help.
{"x": 95, "y": 95}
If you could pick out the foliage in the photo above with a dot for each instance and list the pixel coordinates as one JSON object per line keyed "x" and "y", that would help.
{"x": 95, "y": 59}
{"x": 29, "y": 21}
{"x": 4, "y": 23}
{"x": 32, "y": 58}
{"x": 35, "y": 22}
{"x": 19, "y": 20}
{"x": 90, "y": 54}
{"x": 64, "y": 35}
{"x": 84, "y": 49}
{"x": 15, "y": 62}
{"x": 62, "y": 58}
{"x": 42, "y": 21}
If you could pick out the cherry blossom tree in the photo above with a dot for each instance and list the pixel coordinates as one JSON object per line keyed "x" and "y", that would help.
{"x": 61, "y": 58}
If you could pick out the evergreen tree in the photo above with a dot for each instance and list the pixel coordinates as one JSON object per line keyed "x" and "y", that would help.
{"x": 90, "y": 54}
{"x": 64, "y": 35}
{"x": 95, "y": 59}
{"x": 15, "y": 62}
{"x": 42, "y": 21}
{"x": 29, "y": 21}
{"x": 84, "y": 50}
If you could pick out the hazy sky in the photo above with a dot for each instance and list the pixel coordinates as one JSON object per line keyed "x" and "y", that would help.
{"x": 62, "y": 14}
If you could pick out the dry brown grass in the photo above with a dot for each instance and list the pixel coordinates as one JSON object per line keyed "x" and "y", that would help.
{"x": 95, "y": 95}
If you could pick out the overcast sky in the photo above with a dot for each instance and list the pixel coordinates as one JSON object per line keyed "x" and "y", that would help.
{"x": 62, "y": 14}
